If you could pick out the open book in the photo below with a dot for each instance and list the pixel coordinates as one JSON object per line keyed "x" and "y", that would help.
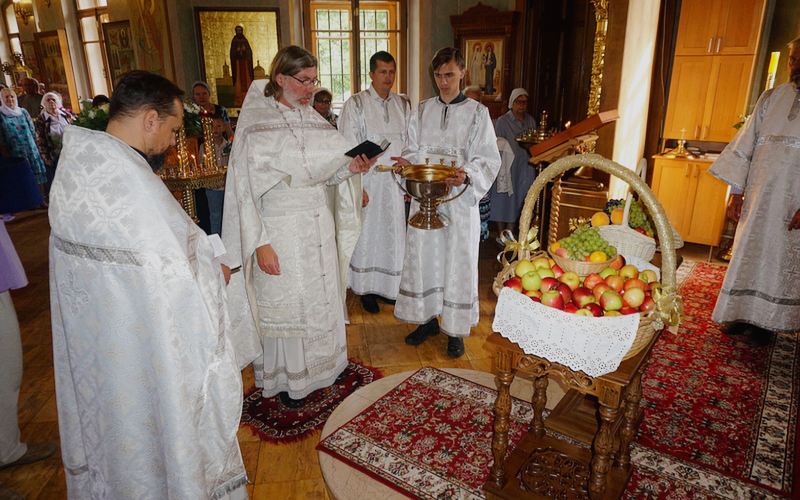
{"x": 369, "y": 148}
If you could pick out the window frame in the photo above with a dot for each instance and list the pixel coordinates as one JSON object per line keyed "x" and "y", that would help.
{"x": 97, "y": 13}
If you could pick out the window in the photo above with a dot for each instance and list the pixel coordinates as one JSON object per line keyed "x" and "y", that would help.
{"x": 91, "y": 14}
{"x": 344, "y": 34}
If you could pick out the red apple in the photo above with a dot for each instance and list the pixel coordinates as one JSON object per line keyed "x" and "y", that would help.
{"x": 648, "y": 305}
{"x": 548, "y": 284}
{"x": 629, "y": 310}
{"x": 557, "y": 271}
{"x": 615, "y": 282}
{"x": 596, "y": 310}
{"x": 514, "y": 283}
{"x": 531, "y": 281}
{"x": 635, "y": 283}
{"x": 605, "y": 273}
{"x": 565, "y": 292}
{"x": 562, "y": 252}
{"x": 591, "y": 280}
{"x": 571, "y": 308}
{"x": 533, "y": 293}
{"x": 585, "y": 312}
{"x": 611, "y": 301}
{"x": 571, "y": 279}
{"x": 629, "y": 271}
{"x": 599, "y": 288}
{"x": 536, "y": 299}
{"x": 633, "y": 297}
{"x": 582, "y": 296}
{"x": 617, "y": 262}
{"x": 552, "y": 298}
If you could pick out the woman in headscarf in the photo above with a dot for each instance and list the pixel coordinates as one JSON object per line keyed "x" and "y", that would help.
{"x": 18, "y": 136}
{"x": 50, "y": 126}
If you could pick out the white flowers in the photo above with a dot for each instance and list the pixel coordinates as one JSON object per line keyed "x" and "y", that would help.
{"x": 92, "y": 114}
{"x": 191, "y": 107}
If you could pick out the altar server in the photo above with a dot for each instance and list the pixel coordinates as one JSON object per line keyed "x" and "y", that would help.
{"x": 761, "y": 291}
{"x": 378, "y": 114}
{"x": 440, "y": 270}
{"x": 149, "y": 391}
{"x": 291, "y": 221}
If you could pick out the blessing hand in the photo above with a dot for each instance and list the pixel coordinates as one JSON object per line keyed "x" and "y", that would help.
{"x": 399, "y": 162}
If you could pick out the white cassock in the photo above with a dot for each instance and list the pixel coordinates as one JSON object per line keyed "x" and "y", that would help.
{"x": 289, "y": 186}
{"x": 378, "y": 257}
{"x": 149, "y": 391}
{"x": 440, "y": 271}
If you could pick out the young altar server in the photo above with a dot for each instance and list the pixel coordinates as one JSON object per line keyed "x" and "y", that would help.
{"x": 378, "y": 114}
{"x": 440, "y": 270}
{"x": 148, "y": 386}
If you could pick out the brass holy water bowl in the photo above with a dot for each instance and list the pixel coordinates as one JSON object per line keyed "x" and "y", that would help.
{"x": 426, "y": 184}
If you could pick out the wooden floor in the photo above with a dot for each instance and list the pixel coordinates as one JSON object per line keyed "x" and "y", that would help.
{"x": 289, "y": 471}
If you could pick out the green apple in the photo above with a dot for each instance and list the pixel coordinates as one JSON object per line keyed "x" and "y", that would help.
{"x": 523, "y": 267}
{"x": 531, "y": 281}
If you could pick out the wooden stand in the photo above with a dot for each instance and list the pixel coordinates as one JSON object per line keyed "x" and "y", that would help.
{"x": 578, "y": 458}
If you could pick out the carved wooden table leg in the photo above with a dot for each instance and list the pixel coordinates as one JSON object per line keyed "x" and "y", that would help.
{"x": 539, "y": 401}
{"x": 602, "y": 448}
{"x": 502, "y": 410}
{"x": 629, "y": 420}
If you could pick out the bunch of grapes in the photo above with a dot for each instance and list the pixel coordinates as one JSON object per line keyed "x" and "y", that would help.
{"x": 585, "y": 240}
{"x": 612, "y": 204}
{"x": 638, "y": 218}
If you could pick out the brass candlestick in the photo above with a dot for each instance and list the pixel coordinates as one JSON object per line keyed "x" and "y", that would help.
{"x": 680, "y": 151}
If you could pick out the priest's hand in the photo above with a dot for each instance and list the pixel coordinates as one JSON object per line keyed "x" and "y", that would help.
{"x": 268, "y": 260}
{"x": 364, "y": 199}
{"x": 399, "y": 161}
{"x": 795, "y": 222}
{"x": 457, "y": 178}
{"x": 734, "y": 211}
{"x": 226, "y": 273}
{"x": 361, "y": 164}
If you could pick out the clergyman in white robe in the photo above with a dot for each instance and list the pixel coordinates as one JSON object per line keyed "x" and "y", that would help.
{"x": 440, "y": 272}
{"x": 149, "y": 391}
{"x": 289, "y": 186}
{"x": 378, "y": 257}
{"x": 762, "y": 285}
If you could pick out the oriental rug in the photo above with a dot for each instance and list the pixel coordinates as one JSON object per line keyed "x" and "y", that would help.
{"x": 720, "y": 419}
{"x": 277, "y": 423}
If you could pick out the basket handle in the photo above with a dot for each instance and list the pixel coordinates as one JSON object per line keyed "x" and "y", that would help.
{"x": 566, "y": 163}
{"x": 641, "y": 171}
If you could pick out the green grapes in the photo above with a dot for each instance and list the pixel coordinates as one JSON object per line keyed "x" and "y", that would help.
{"x": 585, "y": 240}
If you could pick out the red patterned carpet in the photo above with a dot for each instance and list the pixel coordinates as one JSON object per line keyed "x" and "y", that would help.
{"x": 720, "y": 419}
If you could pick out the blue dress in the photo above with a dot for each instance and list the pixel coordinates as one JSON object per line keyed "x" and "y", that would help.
{"x": 505, "y": 208}
{"x": 19, "y": 137}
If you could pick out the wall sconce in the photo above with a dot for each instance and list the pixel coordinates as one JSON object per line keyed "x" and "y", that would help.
{"x": 23, "y": 9}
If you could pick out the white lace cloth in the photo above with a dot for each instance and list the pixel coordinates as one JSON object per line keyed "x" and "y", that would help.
{"x": 595, "y": 346}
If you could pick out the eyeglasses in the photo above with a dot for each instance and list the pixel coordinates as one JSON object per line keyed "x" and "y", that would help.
{"x": 306, "y": 83}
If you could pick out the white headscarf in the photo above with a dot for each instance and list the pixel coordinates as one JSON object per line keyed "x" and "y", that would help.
{"x": 57, "y": 121}
{"x": 9, "y": 111}
{"x": 515, "y": 94}
{"x": 317, "y": 91}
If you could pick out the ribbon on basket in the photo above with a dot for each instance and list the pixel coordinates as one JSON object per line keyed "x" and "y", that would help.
{"x": 513, "y": 248}
{"x": 669, "y": 307}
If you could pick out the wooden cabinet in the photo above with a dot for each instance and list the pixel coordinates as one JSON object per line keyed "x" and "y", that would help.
{"x": 722, "y": 27}
{"x": 693, "y": 199}
{"x": 706, "y": 96}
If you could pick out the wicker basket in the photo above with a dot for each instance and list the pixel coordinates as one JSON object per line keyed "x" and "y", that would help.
{"x": 668, "y": 306}
{"x": 581, "y": 267}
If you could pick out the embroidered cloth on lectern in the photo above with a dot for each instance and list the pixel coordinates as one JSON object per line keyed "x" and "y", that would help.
{"x": 595, "y": 346}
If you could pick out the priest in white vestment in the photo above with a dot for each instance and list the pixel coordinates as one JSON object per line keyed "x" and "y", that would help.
{"x": 378, "y": 114}
{"x": 761, "y": 291}
{"x": 440, "y": 271}
{"x": 148, "y": 387}
{"x": 291, "y": 222}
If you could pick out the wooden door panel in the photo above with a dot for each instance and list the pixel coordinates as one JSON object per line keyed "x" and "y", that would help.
{"x": 697, "y": 27}
{"x": 672, "y": 187}
{"x": 728, "y": 97}
{"x": 687, "y": 96}
{"x": 708, "y": 214}
{"x": 739, "y": 27}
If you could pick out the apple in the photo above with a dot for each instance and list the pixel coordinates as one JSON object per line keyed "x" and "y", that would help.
{"x": 605, "y": 273}
{"x": 635, "y": 283}
{"x": 582, "y": 296}
{"x": 612, "y": 313}
{"x": 648, "y": 276}
{"x": 548, "y": 284}
{"x": 565, "y": 291}
{"x": 611, "y": 301}
{"x": 629, "y": 310}
{"x": 551, "y": 262}
{"x": 617, "y": 262}
{"x": 533, "y": 293}
{"x": 557, "y": 271}
{"x": 562, "y": 252}
{"x": 552, "y": 298}
{"x": 545, "y": 272}
{"x": 633, "y": 297}
{"x": 584, "y": 312}
{"x": 514, "y": 283}
{"x": 599, "y": 288}
{"x": 615, "y": 282}
{"x": 571, "y": 308}
{"x": 523, "y": 267}
{"x": 595, "y": 309}
{"x": 648, "y": 305}
{"x": 531, "y": 281}
{"x": 571, "y": 279}
{"x": 591, "y": 280}
{"x": 629, "y": 271}
{"x": 541, "y": 263}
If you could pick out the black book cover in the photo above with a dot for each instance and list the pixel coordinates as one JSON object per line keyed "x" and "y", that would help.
{"x": 369, "y": 149}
